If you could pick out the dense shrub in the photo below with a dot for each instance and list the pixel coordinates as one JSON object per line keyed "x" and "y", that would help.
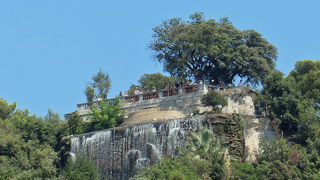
{"x": 80, "y": 169}
{"x": 214, "y": 99}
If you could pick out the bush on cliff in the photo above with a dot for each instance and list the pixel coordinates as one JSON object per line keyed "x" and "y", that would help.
{"x": 80, "y": 169}
{"x": 203, "y": 158}
{"x": 172, "y": 168}
{"x": 106, "y": 115}
{"x": 214, "y": 99}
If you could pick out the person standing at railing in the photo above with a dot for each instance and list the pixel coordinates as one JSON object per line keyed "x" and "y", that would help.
{"x": 126, "y": 94}
{"x": 137, "y": 91}
{"x": 178, "y": 84}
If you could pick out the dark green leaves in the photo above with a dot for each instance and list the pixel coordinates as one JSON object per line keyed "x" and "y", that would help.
{"x": 205, "y": 49}
{"x": 214, "y": 99}
{"x": 6, "y": 109}
{"x": 99, "y": 87}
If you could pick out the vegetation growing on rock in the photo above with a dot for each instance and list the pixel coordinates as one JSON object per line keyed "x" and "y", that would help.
{"x": 199, "y": 49}
{"x": 215, "y": 100}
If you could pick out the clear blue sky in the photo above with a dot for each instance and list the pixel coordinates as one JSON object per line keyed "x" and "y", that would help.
{"x": 50, "y": 49}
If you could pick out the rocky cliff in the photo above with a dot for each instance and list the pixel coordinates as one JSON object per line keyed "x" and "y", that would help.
{"x": 122, "y": 151}
{"x": 119, "y": 153}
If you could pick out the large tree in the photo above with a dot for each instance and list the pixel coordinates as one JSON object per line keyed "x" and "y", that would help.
{"x": 157, "y": 80}
{"x": 149, "y": 81}
{"x": 306, "y": 76}
{"x": 99, "y": 87}
{"x": 205, "y": 49}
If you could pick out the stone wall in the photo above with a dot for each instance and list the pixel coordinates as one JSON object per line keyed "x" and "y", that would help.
{"x": 239, "y": 101}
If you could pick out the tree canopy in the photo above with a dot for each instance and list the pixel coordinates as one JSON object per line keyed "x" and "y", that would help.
{"x": 99, "y": 87}
{"x": 306, "y": 76}
{"x": 210, "y": 50}
{"x": 149, "y": 81}
{"x": 106, "y": 115}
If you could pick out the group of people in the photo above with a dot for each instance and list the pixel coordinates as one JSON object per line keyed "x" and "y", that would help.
{"x": 126, "y": 94}
{"x": 177, "y": 85}
{"x": 137, "y": 91}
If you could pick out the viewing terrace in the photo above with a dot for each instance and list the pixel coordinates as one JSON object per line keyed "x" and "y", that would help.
{"x": 183, "y": 99}
{"x": 155, "y": 97}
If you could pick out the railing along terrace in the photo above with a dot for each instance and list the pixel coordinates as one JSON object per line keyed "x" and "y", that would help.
{"x": 88, "y": 105}
{"x": 170, "y": 92}
{"x": 162, "y": 93}
{"x": 150, "y": 95}
{"x": 159, "y": 94}
{"x": 190, "y": 89}
{"x": 133, "y": 98}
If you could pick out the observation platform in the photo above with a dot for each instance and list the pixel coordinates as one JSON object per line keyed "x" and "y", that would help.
{"x": 181, "y": 102}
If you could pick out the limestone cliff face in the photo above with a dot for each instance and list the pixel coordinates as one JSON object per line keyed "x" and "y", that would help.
{"x": 121, "y": 152}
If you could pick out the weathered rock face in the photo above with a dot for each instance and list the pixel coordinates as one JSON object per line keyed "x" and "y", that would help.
{"x": 119, "y": 153}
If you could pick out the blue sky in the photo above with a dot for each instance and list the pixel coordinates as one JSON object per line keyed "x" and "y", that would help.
{"x": 50, "y": 49}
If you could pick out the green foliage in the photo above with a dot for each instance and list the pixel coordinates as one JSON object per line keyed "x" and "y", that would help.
{"x": 20, "y": 159}
{"x": 292, "y": 103}
{"x": 6, "y": 109}
{"x": 149, "y": 81}
{"x": 75, "y": 124}
{"x": 99, "y": 87}
{"x": 172, "y": 168}
{"x": 81, "y": 169}
{"x": 244, "y": 171}
{"x": 102, "y": 83}
{"x": 54, "y": 129}
{"x": 202, "y": 158}
{"x": 157, "y": 80}
{"x": 89, "y": 92}
{"x": 206, "y": 49}
{"x": 28, "y": 144}
{"x": 214, "y": 99}
{"x": 204, "y": 146}
{"x": 279, "y": 160}
{"x": 202, "y": 141}
{"x": 282, "y": 101}
{"x": 306, "y": 76}
{"x": 106, "y": 115}
{"x": 177, "y": 175}
{"x": 294, "y": 113}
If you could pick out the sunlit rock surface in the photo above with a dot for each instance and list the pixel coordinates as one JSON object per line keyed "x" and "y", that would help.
{"x": 119, "y": 153}
{"x": 140, "y": 142}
